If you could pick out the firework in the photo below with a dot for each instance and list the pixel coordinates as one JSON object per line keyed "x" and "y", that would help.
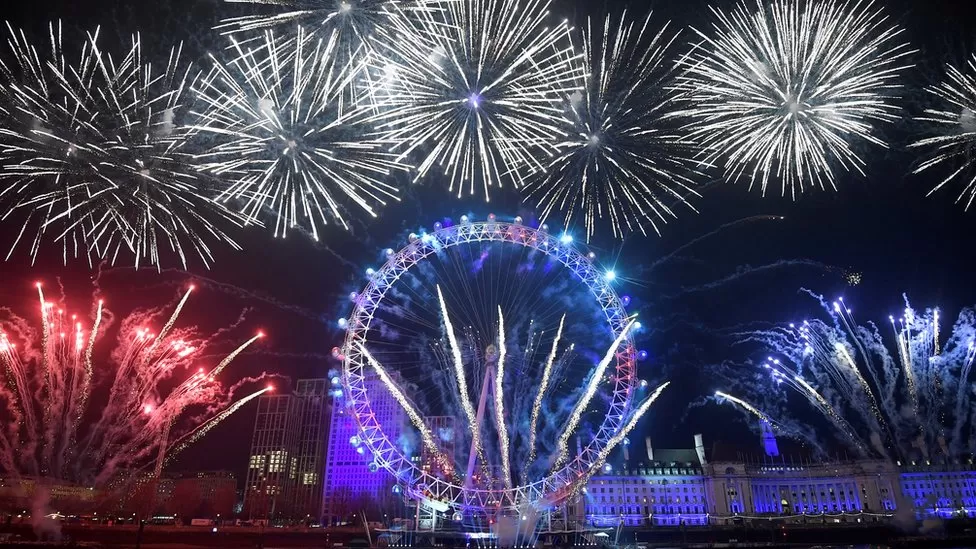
{"x": 499, "y": 357}
{"x": 745, "y": 405}
{"x": 543, "y": 386}
{"x": 93, "y": 155}
{"x": 591, "y": 389}
{"x": 47, "y": 391}
{"x": 462, "y": 383}
{"x": 352, "y": 24}
{"x": 499, "y": 392}
{"x": 954, "y": 120}
{"x": 621, "y": 435}
{"x": 621, "y": 161}
{"x": 425, "y": 434}
{"x": 788, "y": 89}
{"x": 193, "y": 436}
{"x": 281, "y": 134}
{"x": 900, "y": 401}
{"x": 477, "y": 92}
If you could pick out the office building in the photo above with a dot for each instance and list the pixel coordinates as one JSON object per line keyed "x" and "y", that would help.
{"x": 284, "y": 481}
{"x": 352, "y": 478}
{"x": 309, "y": 453}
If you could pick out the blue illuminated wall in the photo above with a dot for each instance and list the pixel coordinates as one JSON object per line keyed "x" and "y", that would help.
{"x": 350, "y": 474}
{"x": 797, "y": 495}
{"x": 674, "y": 494}
{"x": 944, "y": 490}
{"x": 663, "y": 494}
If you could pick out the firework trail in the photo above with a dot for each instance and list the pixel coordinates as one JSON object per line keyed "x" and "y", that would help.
{"x": 543, "y": 385}
{"x": 746, "y": 271}
{"x": 902, "y": 402}
{"x": 691, "y": 243}
{"x": 787, "y": 89}
{"x": 201, "y": 431}
{"x": 462, "y": 382}
{"x": 499, "y": 392}
{"x": 621, "y": 161}
{"x": 93, "y": 155}
{"x": 591, "y": 388}
{"x": 418, "y": 422}
{"x": 293, "y": 151}
{"x": 783, "y": 374}
{"x": 229, "y": 289}
{"x": 477, "y": 93}
{"x": 48, "y": 388}
{"x": 954, "y": 122}
{"x": 621, "y": 435}
{"x": 745, "y": 405}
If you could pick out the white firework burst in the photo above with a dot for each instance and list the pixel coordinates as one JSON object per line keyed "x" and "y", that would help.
{"x": 92, "y": 155}
{"x": 355, "y": 21}
{"x": 622, "y": 161}
{"x": 354, "y": 25}
{"x": 954, "y": 121}
{"x": 283, "y": 136}
{"x": 787, "y": 89}
{"x": 476, "y": 90}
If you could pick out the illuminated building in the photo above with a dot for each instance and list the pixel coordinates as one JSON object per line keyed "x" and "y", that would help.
{"x": 742, "y": 489}
{"x": 668, "y": 491}
{"x": 351, "y": 476}
{"x": 284, "y": 467}
{"x": 943, "y": 490}
{"x": 683, "y": 488}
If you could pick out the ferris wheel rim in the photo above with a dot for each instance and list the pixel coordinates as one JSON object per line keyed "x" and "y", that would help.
{"x": 556, "y": 485}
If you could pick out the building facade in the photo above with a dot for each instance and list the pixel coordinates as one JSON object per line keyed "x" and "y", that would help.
{"x": 683, "y": 488}
{"x": 205, "y": 494}
{"x": 781, "y": 489}
{"x": 309, "y": 453}
{"x": 352, "y": 479}
{"x": 284, "y": 475}
{"x": 939, "y": 490}
{"x": 671, "y": 490}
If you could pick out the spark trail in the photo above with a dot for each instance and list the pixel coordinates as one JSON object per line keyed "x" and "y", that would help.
{"x": 193, "y": 436}
{"x": 562, "y": 445}
{"x": 499, "y": 392}
{"x": 745, "y": 405}
{"x": 462, "y": 382}
{"x": 541, "y": 393}
{"x": 418, "y": 422}
{"x": 621, "y": 435}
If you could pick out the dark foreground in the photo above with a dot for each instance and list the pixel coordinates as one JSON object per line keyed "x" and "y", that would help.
{"x": 168, "y": 537}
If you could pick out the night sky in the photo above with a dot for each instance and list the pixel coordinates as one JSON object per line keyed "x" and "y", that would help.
{"x": 881, "y": 226}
